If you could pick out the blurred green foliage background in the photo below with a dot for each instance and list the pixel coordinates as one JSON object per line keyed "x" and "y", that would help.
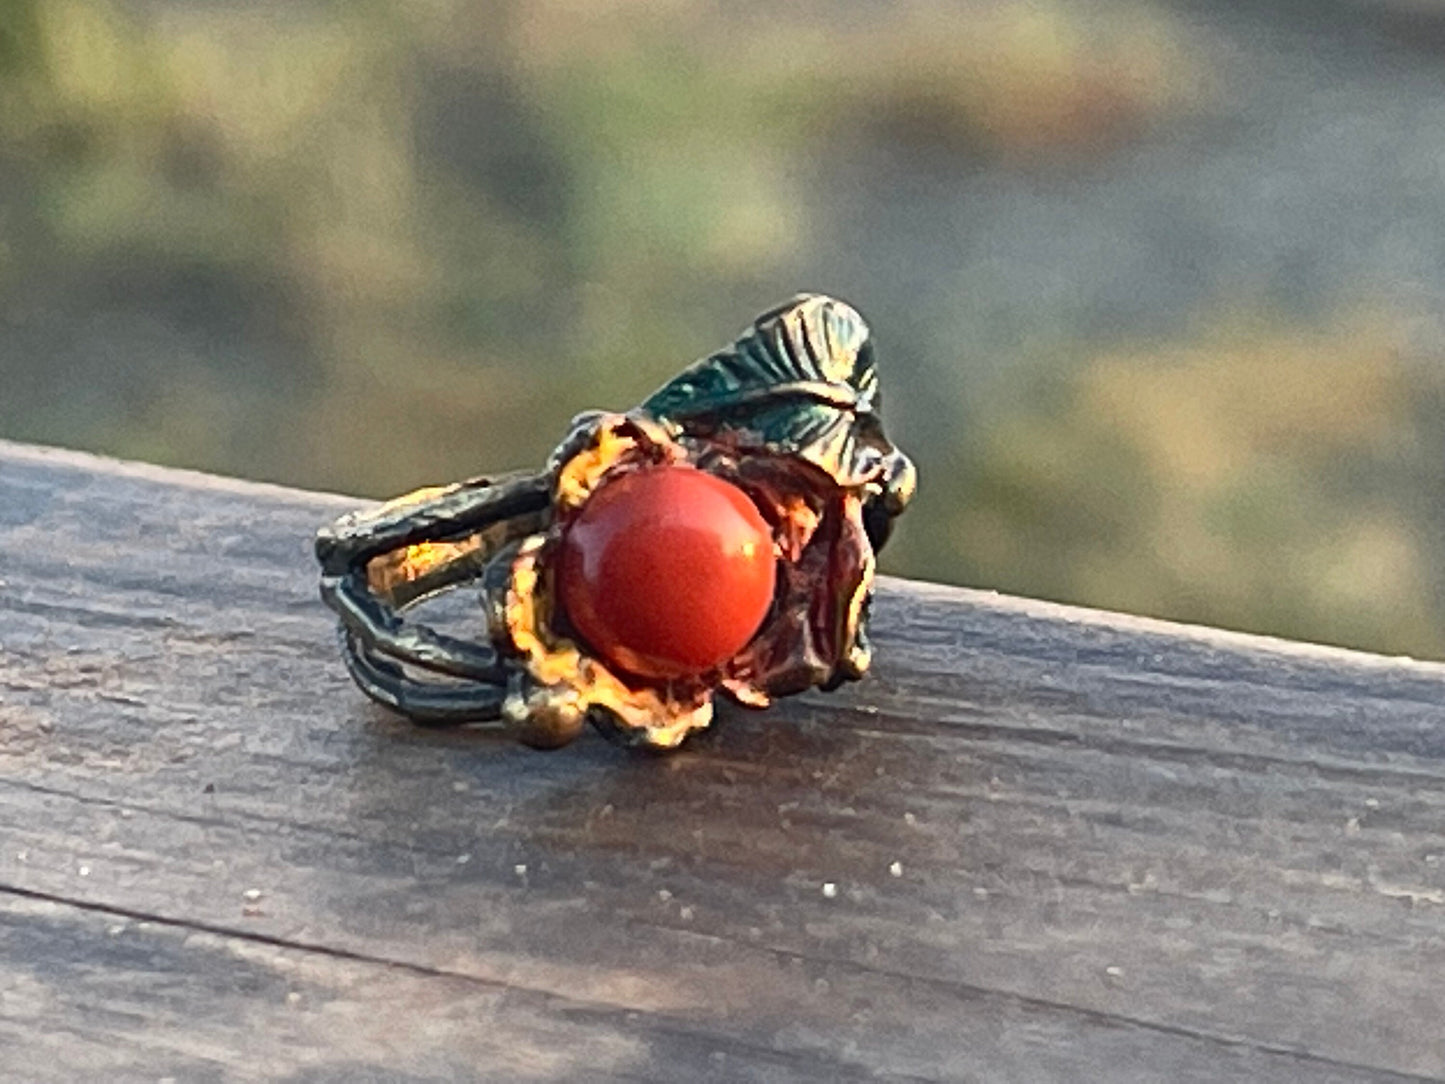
{"x": 1155, "y": 285}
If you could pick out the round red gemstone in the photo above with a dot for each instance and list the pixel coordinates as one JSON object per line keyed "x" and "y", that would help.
{"x": 667, "y": 571}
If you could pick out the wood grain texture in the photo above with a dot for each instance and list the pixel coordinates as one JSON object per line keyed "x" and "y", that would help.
{"x": 1062, "y": 845}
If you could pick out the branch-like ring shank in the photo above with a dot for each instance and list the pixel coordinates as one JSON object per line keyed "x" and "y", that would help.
{"x": 378, "y": 562}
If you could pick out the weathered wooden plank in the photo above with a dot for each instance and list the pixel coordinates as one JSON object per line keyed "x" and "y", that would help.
{"x": 86, "y": 993}
{"x": 1124, "y": 849}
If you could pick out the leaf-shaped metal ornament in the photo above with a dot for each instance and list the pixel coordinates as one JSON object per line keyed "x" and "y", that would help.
{"x": 799, "y": 382}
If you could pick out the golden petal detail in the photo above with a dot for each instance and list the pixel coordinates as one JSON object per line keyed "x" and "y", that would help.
{"x": 568, "y": 681}
{"x": 616, "y": 436}
{"x": 856, "y": 654}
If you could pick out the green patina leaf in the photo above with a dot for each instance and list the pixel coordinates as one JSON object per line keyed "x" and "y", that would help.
{"x": 801, "y": 381}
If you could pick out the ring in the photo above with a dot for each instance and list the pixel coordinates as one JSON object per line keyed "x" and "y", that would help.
{"x": 719, "y": 537}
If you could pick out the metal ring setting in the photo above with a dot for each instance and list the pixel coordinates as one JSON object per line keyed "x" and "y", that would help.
{"x": 788, "y": 414}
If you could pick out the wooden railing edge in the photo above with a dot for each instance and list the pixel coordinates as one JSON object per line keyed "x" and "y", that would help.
{"x": 975, "y": 598}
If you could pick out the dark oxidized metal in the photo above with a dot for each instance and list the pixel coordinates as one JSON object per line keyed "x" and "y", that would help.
{"x": 788, "y": 413}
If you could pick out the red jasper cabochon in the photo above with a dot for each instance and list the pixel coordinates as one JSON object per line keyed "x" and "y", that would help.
{"x": 667, "y": 571}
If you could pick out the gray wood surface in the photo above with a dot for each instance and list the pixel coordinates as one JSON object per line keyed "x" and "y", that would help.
{"x": 1039, "y": 844}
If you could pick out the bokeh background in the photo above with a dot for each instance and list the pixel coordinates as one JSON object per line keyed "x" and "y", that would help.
{"x": 1157, "y": 286}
